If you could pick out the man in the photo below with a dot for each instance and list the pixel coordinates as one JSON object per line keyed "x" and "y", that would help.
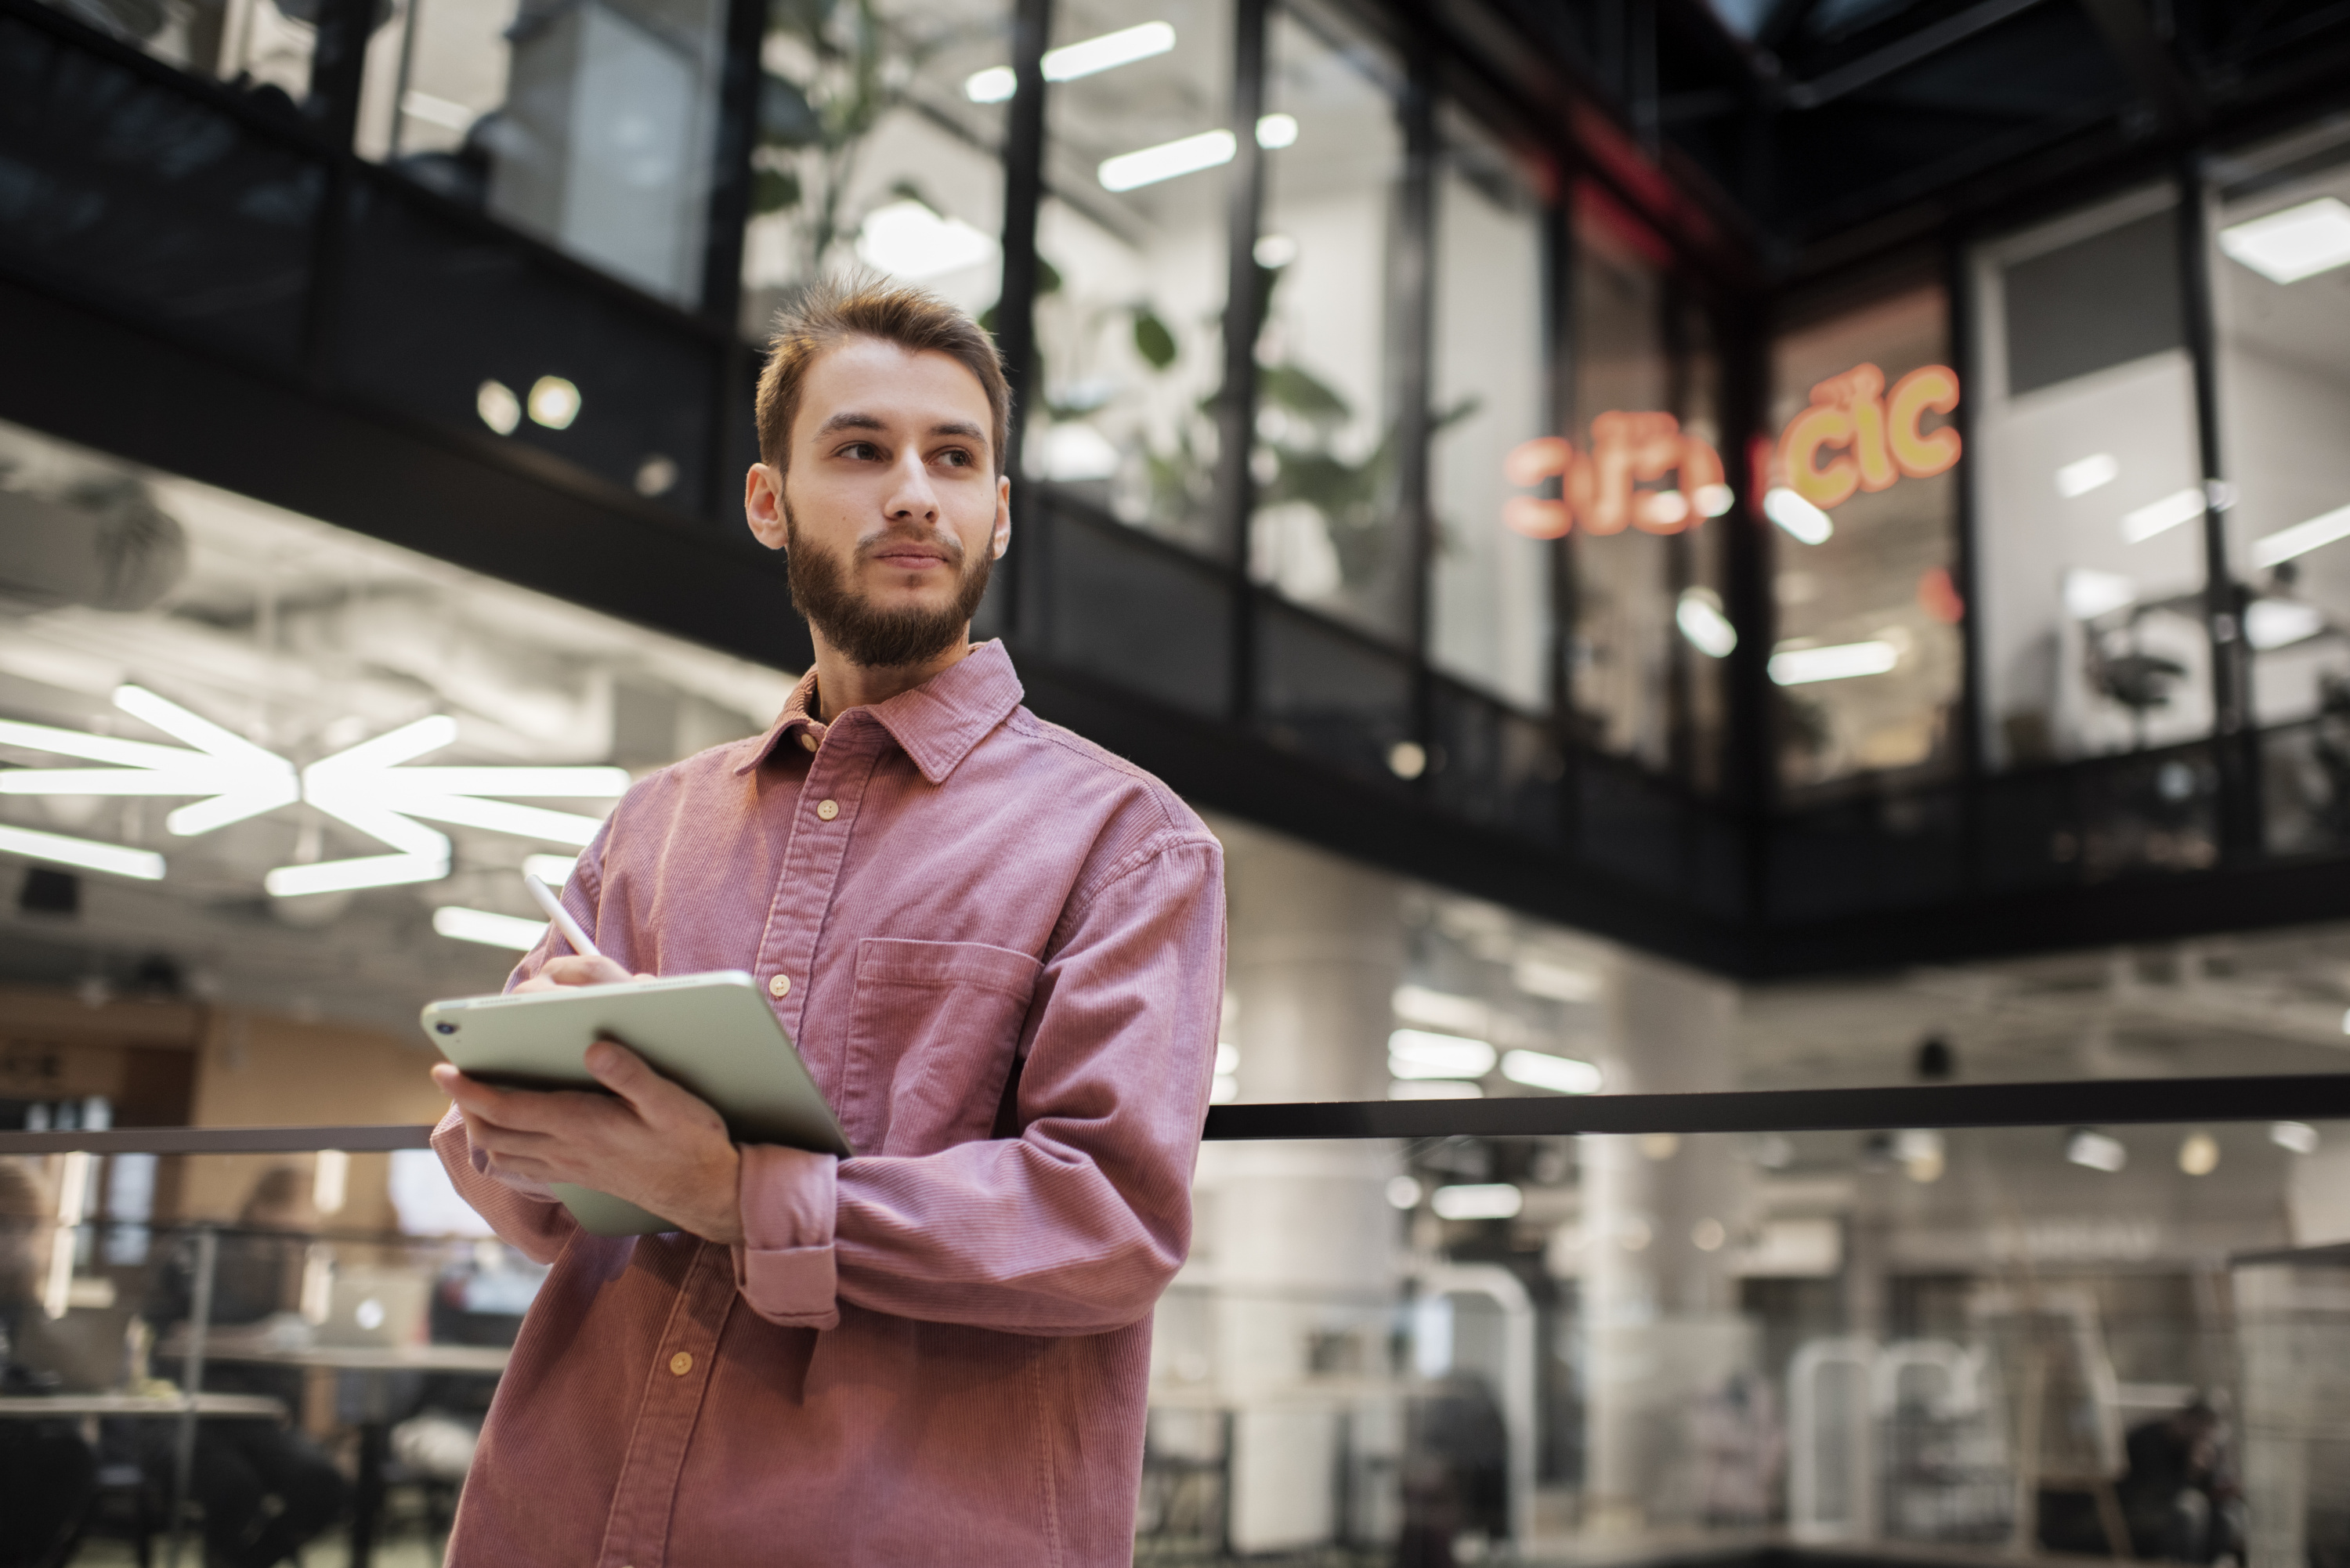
{"x": 1001, "y": 952}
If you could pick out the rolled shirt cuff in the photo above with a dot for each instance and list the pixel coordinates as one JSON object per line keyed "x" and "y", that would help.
{"x": 784, "y": 1266}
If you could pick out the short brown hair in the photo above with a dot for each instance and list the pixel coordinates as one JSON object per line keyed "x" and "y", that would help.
{"x": 830, "y": 312}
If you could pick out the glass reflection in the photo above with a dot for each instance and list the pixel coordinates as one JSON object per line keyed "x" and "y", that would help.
{"x": 1491, "y": 587}
{"x": 1326, "y": 533}
{"x": 1132, "y": 280}
{"x": 1868, "y": 658}
{"x": 876, "y": 149}
{"x": 2091, "y": 533}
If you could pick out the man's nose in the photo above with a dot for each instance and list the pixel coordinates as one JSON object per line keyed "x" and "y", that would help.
{"x": 911, "y": 496}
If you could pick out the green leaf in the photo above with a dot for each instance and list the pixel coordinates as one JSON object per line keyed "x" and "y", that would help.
{"x": 1296, "y": 390}
{"x": 786, "y": 116}
{"x": 1153, "y": 340}
{"x": 775, "y": 190}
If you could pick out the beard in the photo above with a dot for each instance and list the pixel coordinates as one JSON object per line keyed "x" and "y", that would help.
{"x": 864, "y": 633}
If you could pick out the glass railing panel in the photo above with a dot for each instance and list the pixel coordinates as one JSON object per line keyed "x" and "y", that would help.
{"x": 2119, "y": 1341}
{"x": 340, "y": 1319}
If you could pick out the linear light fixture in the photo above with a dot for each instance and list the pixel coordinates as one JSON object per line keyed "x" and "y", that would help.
{"x": 1840, "y": 661}
{"x": 115, "y": 859}
{"x": 1799, "y": 517}
{"x": 2097, "y": 1150}
{"x": 1420, "y": 1053}
{"x": 1190, "y": 154}
{"x": 554, "y": 870}
{"x": 2274, "y": 549}
{"x": 363, "y": 786}
{"x": 2094, "y": 472}
{"x": 2161, "y": 516}
{"x": 1699, "y": 615}
{"x": 1085, "y": 58}
{"x": 1541, "y": 1070}
{"x": 2297, "y": 243}
{"x": 490, "y": 930}
{"x": 1478, "y": 1200}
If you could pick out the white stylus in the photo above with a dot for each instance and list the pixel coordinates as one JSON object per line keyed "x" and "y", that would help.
{"x": 560, "y": 916}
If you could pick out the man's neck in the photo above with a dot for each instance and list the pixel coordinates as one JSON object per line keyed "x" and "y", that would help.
{"x": 840, "y": 685}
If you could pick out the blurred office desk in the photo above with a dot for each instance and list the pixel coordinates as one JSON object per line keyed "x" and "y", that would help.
{"x": 35, "y": 1407}
{"x": 374, "y": 1366}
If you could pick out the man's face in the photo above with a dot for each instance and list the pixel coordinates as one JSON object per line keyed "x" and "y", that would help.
{"x": 890, "y": 504}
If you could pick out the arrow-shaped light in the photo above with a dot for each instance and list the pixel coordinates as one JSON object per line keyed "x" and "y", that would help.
{"x": 362, "y": 786}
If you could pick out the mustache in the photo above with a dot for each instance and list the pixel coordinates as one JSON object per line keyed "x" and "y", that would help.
{"x": 873, "y": 544}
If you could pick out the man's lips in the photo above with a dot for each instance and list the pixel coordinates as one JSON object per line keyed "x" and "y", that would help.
{"x": 911, "y": 559}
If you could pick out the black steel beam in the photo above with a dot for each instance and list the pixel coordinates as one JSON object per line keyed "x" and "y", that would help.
{"x": 2112, "y": 1102}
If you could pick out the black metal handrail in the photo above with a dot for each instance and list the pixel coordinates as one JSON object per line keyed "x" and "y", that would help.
{"x": 2112, "y": 1102}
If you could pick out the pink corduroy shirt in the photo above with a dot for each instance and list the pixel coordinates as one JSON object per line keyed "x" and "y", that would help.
{"x": 1001, "y": 951}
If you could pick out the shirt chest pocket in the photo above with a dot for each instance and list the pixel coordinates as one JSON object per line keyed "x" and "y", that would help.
{"x": 933, "y": 1028}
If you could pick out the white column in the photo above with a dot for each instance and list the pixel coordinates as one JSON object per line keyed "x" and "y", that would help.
{"x": 1298, "y": 1238}
{"x": 1657, "y": 1297}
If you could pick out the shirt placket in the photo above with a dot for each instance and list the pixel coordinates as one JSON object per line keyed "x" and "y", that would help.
{"x": 637, "y": 1532}
{"x": 814, "y": 851}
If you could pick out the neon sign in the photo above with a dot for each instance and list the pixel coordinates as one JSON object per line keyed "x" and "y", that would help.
{"x": 1601, "y": 492}
{"x": 1881, "y": 433}
{"x": 1645, "y": 472}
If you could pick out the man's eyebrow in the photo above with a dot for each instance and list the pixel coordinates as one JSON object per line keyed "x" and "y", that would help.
{"x": 960, "y": 427}
{"x": 851, "y": 421}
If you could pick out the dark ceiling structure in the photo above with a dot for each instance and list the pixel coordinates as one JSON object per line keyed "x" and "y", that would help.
{"x": 1823, "y": 127}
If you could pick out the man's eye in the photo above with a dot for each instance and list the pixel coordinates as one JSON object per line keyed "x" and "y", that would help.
{"x": 956, "y": 457}
{"x": 860, "y": 449}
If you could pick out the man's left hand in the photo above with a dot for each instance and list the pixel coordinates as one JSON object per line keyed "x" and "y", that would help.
{"x": 649, "y": 1141}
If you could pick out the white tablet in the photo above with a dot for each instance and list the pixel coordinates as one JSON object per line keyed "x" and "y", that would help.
{"x": 714, "y": 1034}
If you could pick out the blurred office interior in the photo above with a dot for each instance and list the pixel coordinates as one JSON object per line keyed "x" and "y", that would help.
{"x": 1748, "y": 584}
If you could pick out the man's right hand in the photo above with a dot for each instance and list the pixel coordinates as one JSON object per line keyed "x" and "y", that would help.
{"x": 573, "y": 969}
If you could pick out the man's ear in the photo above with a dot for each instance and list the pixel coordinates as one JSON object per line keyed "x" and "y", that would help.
{"x": 1002, "y": 539}
{"x": 763, "y": 504}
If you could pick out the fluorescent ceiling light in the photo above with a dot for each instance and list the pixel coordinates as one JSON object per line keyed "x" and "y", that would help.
{"x": 2076, "y": 480}
{"x": 115, "y": 859}
{"x": 1556, "y": 981}
{"x": 1403, "y": 1192}
{"x": 1420, "y": 1053}
{"x": 2199, "y": 1154}
{"x": 554, "y": 870}
{"x": 2161, "y": 516}
{"x": 906, "y": 238}
{"x": 490, "y": 930}
{"x": 342, "y": 875}
{"x": 1842, "y": 661}
{"x": 2088, "y": 594}
{"x": 2097, "y": 1151}
{"x": 1479, "y": 1200}
{"x": 1798, "y": 516}
{"x": 2298, "y": 1137}
{"x": 2298, "y": 243}
{"x": 1190, "y": 154}
{"x": 1698, "y": 615}
{"x": 499, "y": 407}
{"x": 1437, "y": 1009}
{"x": 2282, "y": 545}
{"x": 997, "y": 84}
{"x": 1541, "y": 1070}
{"x": 2271, "y": 624}
{"x": 362, "y": 785}
{"x": 1433, "y": 1089}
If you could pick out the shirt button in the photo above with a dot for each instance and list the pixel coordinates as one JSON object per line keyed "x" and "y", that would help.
{"x": 828, "y": 809}
{"x": 779, "y": 985}
{"x": 681, "y": 1362}
{"x": 807, "y": 741}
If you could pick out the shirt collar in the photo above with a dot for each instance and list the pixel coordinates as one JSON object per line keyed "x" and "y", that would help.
{"x": 936, "y": 724}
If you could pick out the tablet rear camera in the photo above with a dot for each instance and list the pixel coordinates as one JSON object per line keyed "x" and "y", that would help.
{"x": 444, "y": 1028}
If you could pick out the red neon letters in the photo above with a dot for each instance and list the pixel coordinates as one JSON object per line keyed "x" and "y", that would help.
{"x": 1601, "y": 491}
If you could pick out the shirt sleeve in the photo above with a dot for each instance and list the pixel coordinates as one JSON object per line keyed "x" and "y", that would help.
{"x": 1076, "y": 1225}
{"x": 524, "y": 1213}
